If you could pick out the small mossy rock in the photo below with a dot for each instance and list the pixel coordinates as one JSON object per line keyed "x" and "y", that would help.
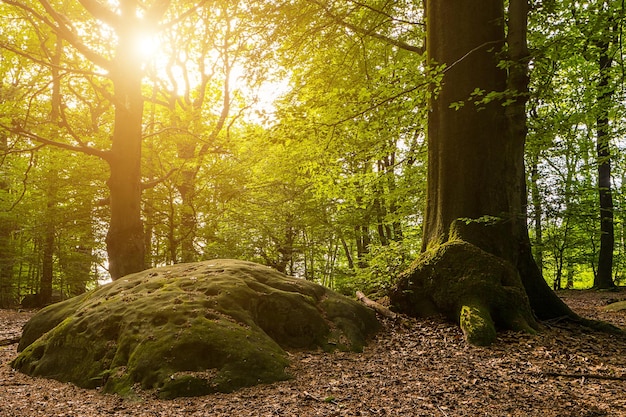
{"x": 468, "y": 285}
{"x": 617, "y": 306}
{"x": 189, "y": 329}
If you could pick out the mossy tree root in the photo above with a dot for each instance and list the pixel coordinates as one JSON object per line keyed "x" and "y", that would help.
{"x": 476, "y": 289}
{"x": 477, "y": 325}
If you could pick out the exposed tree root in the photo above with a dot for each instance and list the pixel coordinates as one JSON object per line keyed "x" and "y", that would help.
{"x": 470, "y": 286}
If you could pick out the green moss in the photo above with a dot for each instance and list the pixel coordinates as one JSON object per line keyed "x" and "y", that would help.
{"x": 190, "y": 329}
{"x": 469, "y": 286}
{"x": 48, "y": 318}
{"x": 350, "y": 324}
{"x": 618, "y": 306}
{"x": 477, "y": 325}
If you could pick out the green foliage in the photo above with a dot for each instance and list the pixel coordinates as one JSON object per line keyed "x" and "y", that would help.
{"x": 329, "y": 182}
{"x": 384, "y": 266}
{"x": 564, "y": 109}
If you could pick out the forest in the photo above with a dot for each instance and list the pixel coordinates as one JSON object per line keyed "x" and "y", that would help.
{"x": 290, "y": 133}
{"x": 208, "y": 185}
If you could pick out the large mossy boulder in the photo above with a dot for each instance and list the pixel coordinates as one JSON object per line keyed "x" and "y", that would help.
{"x": 189, "y": 329}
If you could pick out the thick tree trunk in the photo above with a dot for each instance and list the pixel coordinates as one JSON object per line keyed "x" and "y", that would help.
{"x": 475, "y": 166}
{"x": 7, "y": 245}
{"x": 477, "y": 265}
{"x": 125, "y": 241}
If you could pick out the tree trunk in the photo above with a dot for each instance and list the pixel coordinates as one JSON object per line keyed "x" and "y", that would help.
{"x": 477, "y": 266}
{"x": 604, "y": 276}
{"x": 472, "y": 172}
{"x": 7, "y": 245}
{"x": 125, "y": 242}
{"x": 537, "y": 211}
{"x": 47, "y": 268}
{"x": 187, "y": 190}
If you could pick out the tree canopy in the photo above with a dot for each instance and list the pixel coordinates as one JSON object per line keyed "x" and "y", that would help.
{"x": 291, "y": 133}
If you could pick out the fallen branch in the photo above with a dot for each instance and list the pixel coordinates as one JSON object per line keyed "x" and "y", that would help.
{"x": 584, "y": 376}
{"x": 328, "y": 400}
{"x": 379, "y": 308}
{"x": 9, "y": 341}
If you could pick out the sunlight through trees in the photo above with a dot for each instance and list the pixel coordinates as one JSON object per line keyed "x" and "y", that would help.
{"x": 138, "y": 133}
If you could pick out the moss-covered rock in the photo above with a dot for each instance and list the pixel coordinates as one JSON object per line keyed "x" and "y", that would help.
{"x": 468, "y": 285}
{"x": 189, "y": 329}
{"x": 617, "y": 306}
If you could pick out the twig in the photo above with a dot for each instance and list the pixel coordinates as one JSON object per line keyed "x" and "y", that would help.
{"x": 9, "y": 341}
{"x": 328, "y": 400}
{"x": 442, "y": 412}
{"x": 586, "y": 376}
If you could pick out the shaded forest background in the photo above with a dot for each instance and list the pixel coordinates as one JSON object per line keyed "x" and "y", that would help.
{"x": 290, "y": 133}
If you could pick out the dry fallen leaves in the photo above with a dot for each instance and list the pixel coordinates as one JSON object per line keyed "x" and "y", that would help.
{"x": 412, "y": 368}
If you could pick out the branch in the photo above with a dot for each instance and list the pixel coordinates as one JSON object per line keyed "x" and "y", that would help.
{"x": 155, "y": 13}
{"x": 387, "y": 15}
{"x": 64, "y": 29}
{"x": 584, "y": 376}
{"x": 449, "y": 67}
{"x": 376, "y": 105}
{"x": 150, "y": 184}
{"x": 395, "y": 42}
{"x": 184, "y": 15}
{"x": 9, "y": 341}
{"x": 379, "y": 308}
{"x": 25, "y": 178}
{"x": 97, "y": 10}
{"x": 35, "y": 137}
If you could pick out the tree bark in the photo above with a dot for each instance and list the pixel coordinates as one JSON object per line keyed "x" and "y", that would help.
{"x": 537, "y": 211}
{"x": 7, "y": 245}
{"x": 125, "y": 241}
{"x": 604, "y": 277}
{"x": 477, "y": 266}
{"x": 47, "y": 268}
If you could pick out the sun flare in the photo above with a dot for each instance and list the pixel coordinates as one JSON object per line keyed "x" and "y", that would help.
{"x": 147, "y": 45}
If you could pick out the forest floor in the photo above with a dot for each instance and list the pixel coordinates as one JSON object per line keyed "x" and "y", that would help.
{"x": 412, "y": 368}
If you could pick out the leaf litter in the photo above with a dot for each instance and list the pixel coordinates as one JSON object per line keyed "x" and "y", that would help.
{"x": 411, "y": 368}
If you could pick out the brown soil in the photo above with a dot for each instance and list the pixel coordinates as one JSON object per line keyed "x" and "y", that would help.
{"x": 412, "y": 368}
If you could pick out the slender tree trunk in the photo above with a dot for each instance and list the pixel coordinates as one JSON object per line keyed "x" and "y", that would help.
{"x": 570, "y": 276}
{"x": 47, "y": 267}
{"x": 604, "y": 276}
{"x": 544, "y": 302}
{"x": 362, "y": 235}
{"x": 48, "y": 240}
{"x": 346, "y": 250}
{"x": 187, "y": 190}
{"x": 537, "y": 211}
